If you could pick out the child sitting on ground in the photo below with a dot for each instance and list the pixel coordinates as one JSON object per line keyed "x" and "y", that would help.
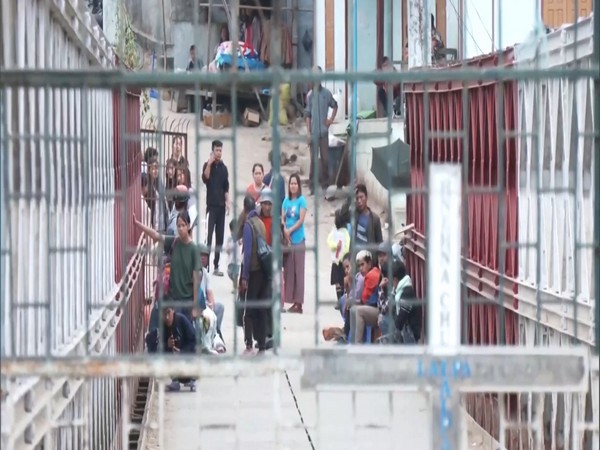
{"x": 233, "y": 250}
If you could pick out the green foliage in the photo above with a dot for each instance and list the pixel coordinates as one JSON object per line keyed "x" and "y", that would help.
{"x": 127, "y": 47}
{"x": 130, "y": 54}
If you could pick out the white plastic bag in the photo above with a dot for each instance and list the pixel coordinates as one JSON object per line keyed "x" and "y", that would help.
{"x": 208, "y": 322}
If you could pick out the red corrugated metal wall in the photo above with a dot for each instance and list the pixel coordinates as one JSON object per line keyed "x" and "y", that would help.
{"x": 127, "y": 162}
{"x": 485, "y": 116}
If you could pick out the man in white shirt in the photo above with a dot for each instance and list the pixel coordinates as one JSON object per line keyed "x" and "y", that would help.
{"x": 218, "y": 308}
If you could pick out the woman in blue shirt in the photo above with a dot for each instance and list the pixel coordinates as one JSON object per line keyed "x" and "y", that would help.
{"x": 293, "y": 213}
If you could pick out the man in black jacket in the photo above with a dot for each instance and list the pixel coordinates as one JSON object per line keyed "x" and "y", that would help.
{"x": 216, "y": 178}
{"x": 400, "y": 321}
{"x": 178, "y": 336}
{"x": 368, "y": 224}
{"x": 367, "y": 232}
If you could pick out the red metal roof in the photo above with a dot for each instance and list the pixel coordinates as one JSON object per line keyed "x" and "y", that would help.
{"x": 506, "y": 56}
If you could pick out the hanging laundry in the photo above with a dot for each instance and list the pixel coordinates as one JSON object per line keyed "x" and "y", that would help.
{"x": 286, "y": 45}
{"x": 287, "y": 51}
{"x": 256, "y": 32}
{"x": 247, "y": 57}
{"x": 248, "y": 34}
{"x": 242, "y": 30}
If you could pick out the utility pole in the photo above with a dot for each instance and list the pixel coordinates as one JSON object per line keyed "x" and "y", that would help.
{"x": 419, "y": 34}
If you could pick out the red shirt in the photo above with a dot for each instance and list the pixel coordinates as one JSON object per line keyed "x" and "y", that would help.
{"x": 371, "y": 284}
{"x": 268, "y": 221}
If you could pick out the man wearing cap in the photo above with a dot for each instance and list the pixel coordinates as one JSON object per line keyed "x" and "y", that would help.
{"x": 218, "y": 308}
{"x": 181, "y": 203}
{"x": 254, "y": 285}
{"x": 384, "y": 250}
{"x": 266, "y": 208}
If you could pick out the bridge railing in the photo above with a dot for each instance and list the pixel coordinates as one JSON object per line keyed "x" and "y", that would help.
{"x": 528, "y": 184}
{"x": 556, "y": 192}
{"x": 61, "y": 226}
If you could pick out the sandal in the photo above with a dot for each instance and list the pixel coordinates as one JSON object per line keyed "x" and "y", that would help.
{"x": 296, "y": 308}
{"x": 332, "y": 333}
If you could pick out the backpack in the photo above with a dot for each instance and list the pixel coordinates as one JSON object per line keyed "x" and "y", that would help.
{"x": 264, "y": 253}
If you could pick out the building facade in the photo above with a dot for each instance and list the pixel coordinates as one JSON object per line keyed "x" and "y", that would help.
{"x": 472, "y": 27}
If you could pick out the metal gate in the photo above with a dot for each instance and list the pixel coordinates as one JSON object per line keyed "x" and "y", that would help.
{"x": 163, "y": 135}
{"x": 509, "y": 359}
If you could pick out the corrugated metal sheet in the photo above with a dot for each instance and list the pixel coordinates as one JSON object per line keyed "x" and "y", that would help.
{"x": 128, "y": 159}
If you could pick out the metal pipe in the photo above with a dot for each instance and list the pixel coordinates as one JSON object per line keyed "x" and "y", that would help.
{"x": 354, "y": 87}
{"x": 164, "y": 24}
{"x": 32, "y": 78}
{"x": 208, "y": 52}
{"x": 261, "y": 8}
{"x": 596, "y": 61}
{"x": 294, "y": 33}
{"x": 530, "y": 360}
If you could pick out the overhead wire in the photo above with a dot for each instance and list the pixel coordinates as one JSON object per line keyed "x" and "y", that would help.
{"x": 482, "y": 23}
{"x": 463, "y": 24}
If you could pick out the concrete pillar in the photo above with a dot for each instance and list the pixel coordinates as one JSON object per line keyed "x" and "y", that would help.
{"x": 419, "y": 34}
{"x": 109, "y": 18}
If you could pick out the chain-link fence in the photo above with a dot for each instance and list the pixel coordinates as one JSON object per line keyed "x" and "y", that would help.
{"x": 494, "y": 206}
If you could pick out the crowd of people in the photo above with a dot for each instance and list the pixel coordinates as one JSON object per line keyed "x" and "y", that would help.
{"x": 364, "y": 289}
{"x": 185, "y": 312}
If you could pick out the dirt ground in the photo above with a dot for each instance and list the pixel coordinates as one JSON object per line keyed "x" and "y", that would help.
{"x": 213, "y": 418}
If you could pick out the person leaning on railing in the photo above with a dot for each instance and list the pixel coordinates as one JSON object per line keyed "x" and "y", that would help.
{"x": 154, "y": 196}
{"x": 185, "y": 268}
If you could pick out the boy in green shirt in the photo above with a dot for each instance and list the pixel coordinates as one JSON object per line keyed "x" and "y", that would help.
{"x": 186, "y": 268}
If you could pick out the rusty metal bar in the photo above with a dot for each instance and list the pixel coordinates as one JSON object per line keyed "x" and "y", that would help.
{"x": 385, "y": 360}
{"x": 112, "y": 78}
{"x": 596, "y": 59}
{"x": 495, "y": 287}
{"x": 142, "y": 366}
{"x": 260, "y": 8}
